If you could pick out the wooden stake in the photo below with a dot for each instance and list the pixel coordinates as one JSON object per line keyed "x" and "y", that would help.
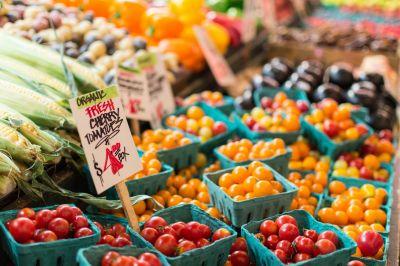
{"x": 135, "y": 126}
{"x": 130, "y": 215}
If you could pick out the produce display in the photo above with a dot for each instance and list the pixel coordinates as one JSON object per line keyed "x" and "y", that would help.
{"x": 305, "y": 158}
{"x": 161, "y": 139}
{"x": 114, "y": 258}
{"x": 114, "y": 235}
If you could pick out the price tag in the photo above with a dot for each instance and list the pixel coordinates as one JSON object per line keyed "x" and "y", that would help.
{"x": 106, "y": 139}
{"x": 253, "y": 10}
{"x": 219, "y": 67}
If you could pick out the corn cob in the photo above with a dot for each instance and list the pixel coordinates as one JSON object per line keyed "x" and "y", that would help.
{"x": 7, "y": 166}
{"x": 24, "y": 73}
{"x": 40, "y": 109}
{"x": 33, "y": 133}
{"x": 46, "y": 60}
{"x": 7, "y": 185}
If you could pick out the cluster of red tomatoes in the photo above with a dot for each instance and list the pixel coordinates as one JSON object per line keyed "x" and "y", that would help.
{"x": 113, "y": 258}
{"x": 238, "y": 254}
{"x": 283, "y": 237}
{"x": 179, "y": 237}
{"x": 49, "y": 225}
{"x": 114, "y": 235}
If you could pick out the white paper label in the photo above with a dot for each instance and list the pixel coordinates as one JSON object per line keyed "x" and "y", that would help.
{"x": 253, "y": 10}
{"x": 106, "y": 139}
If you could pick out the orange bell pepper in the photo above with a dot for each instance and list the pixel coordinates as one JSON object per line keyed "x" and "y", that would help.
{"x": 159, "y": 24}
{"x": 128, "y": 14}
{"x": 188, "y": 53}
{"x": 100, "y": 8}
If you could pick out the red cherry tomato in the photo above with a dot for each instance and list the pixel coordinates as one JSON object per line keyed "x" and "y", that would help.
{"x": 121, "y": 242}
{"x": 192, "y": 231}
{"x": 325, "y": 246}
{"x": 220, "y": 233}
{"x": 27, "y": 213}
{"x": 185, "y": 246}
{"x": 118, "y": 229}
{"x": 107, "y": 239}
{"x": 79, "y": 222}
{"x": 239, "y": 244}
{"x": 369, "y": 243}
{"x": 178, "y": 226}
{"x": 268, "y": 227}
{"x": 286, "y": 246}
{"x": 304, "y": 245}
{"x": 281, "y": 255}
{"x": 84, "y": 231}
{"x": 43, "y": 217}
{"x": 205, "y": 231}
{"x": 37, "y": 232}
{"x": 150, "y": 258}
{"x": 65, "y": 211}
{"x": 168, "y": 230}
{"x": 285, "y": 219}
{"x": 60, "y": 227}
{"x": 330, "y": 235}
{"x": 109, "y": 258}
{"x": 288, "y": 232}
{"x": 150, "y": 234}
{"x": 76, "y": 211}
{"x": 46, "y": 236}
{"x": 202, "y": 242}
{"x": 301, "y": 257}
{"x": 166, "y": 244}
{"x": 240, "y": 258}
{"x": 125, "y": 235}
{"x": 155, "y": 222}
{"x": 311, "y": 234}
{"x": 272, "y": 241}
{"x": 22, "y": 229}
{"x": 261, "y": 238}
{"x": 125, "y": 261}
{"x": 355, "y": 263}
{"x": 100, "y": 227}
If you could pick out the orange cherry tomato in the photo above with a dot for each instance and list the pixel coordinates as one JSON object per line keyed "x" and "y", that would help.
{"x": 128, "y": 14}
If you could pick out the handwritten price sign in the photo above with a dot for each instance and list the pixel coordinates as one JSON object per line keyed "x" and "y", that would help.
{"x": 106, "y": 138}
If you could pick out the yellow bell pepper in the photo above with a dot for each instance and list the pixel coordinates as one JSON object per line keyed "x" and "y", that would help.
{"x": 182, "y": 7}
{"x": 218, "y": 34}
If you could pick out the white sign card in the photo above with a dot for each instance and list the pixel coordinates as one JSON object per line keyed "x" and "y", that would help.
{"x": 221, "y": 70}
{"x": 106, "y": 139}
{"x": 253, "y": 10}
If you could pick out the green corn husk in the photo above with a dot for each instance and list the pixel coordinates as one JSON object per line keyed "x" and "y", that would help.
{"x": 40, "y": 109}
{"x": 16, "y": 145}
{"x": 7, "y": 166}
{"x": 46, "y": 60}
{"x": 47, "y": 142}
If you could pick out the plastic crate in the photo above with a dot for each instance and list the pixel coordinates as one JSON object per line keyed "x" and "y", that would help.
{"x": 375, "y": 262}
{"x": 61, "y": 252}
{"x": 326, "y": 146}
{"x": 92, "y": 256}
{"x": 228, "y": 106}
{"x": 361, "y": 113}
{"x": 212, "y": 255}
{"x": 242, "y": 212}
{"x": 181, "y": 157}
{"x": 279, "y": 163}
{"x": 264, "y": 256}
{"x": 245, "y": 132}
{"x": 269, "y": 92}
{"x": 217, "y": 115}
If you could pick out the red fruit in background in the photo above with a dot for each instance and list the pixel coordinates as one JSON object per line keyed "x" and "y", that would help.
{"x": 100, "y": 227}
{"x": 76, "y": 211}
{"x": 311, "y": 234}
{"x": 178, "y": 226}
{"x": 205, "y": 231}
{"x": 330, "y": 235}
{"x": 325, "y": 246}
{"x": 362, "y": 129}
{"x": 288, "y": 232}
{"x": 258, "y": 128}
{"x": 22, "y": 229}
{"x": 60, "y": 227}
{"x": 65, "y": 211}
{"x": 303, "y": 244}
{"x": 152, "y": 259}
{"x": 192, "y": 231}
{"x": 125, "y": 261}
{"x": 125, "y": 235}
{"x": 281, "y": 255}
{"x": 155, "y": 222}
{"x": 239, "y": 244}
{"x": 386, "y": 134}
{"x": 286, "y": 246}
{"x": 27, "y": 213}
{"x": 109, "y": 258}
{"x": 250, "y": 122}
{"x": 366, "y": 173}
{"x": 36, "y": 233}
{"x": 166, "y": 244}
{"x": 80, "y": 222}
{"x": 369, "y": 243}
{"x": 107, "y": 239}
{"x": 285, "y": 219}
{"x": 261, "y": 238}
{"x": 275, "y": 105}
{"x": 185, "y": 246}
{"x": 330, "y": 128}
{"x": 202, "y": 242}
{"x": 240, "y": 258}
{"x": 220, "y": 233}
{"x": 357, "y": 162}
{"x": 43, "y": 217}
{"x": 348, "y": 157}
{"x": 118, "y": 229}
{"x": 168, "y": 230}
{"x": 219, "y": 128}
{"x": 266, "y": 102}
{"x": 150, "y": 234}
{"x": 84, "y": 231}
{"x": 269, "y": 227}
{"x": 46, "y": 236}
{"x": 355, "y": 263}
{"x": 120, "y": 242}
{"x": 368, "y": 149}
{"x": 272, "y": 241}
{"x": 301, "y": 257}
{"x": 302, "y": 106}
